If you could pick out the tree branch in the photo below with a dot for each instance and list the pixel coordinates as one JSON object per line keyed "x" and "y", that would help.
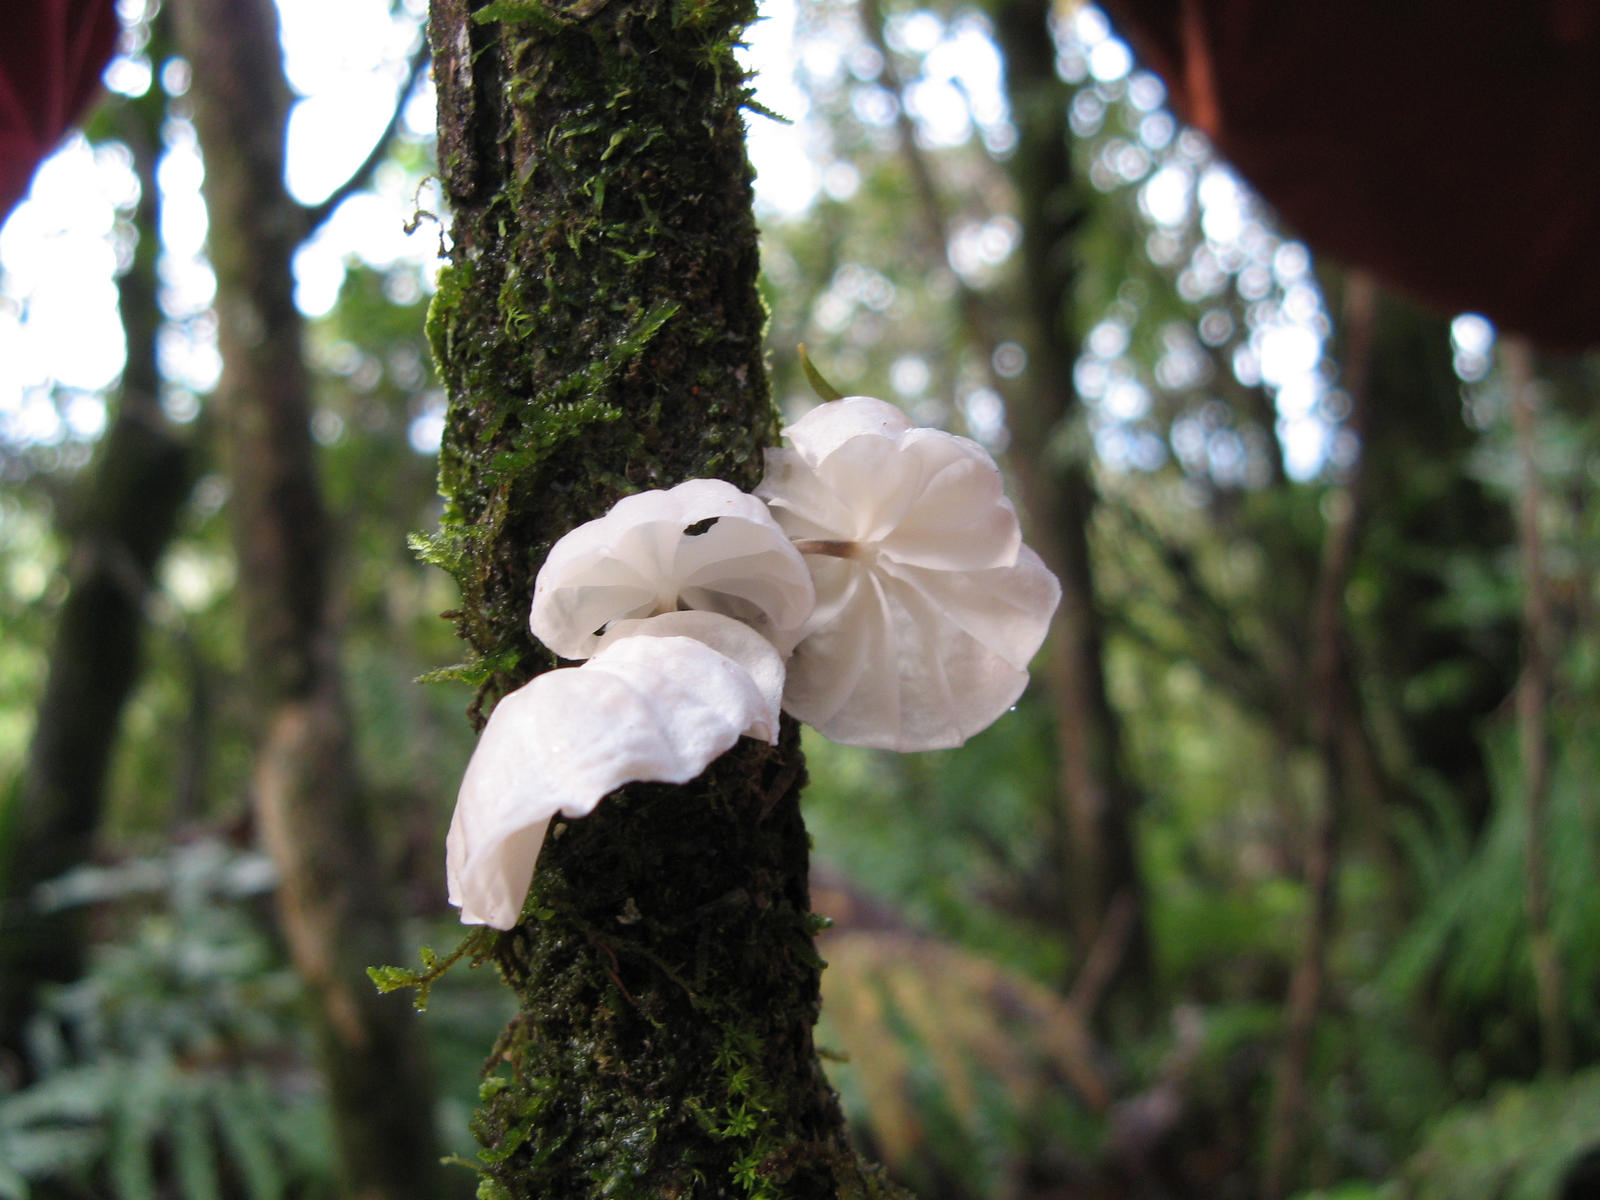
{"x": 1233, "y": 665}
{"x": 316, "y": 215}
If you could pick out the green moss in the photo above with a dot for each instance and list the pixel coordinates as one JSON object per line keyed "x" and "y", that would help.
{"x": 669, "y": 985}
{"x": 621, "y": 349}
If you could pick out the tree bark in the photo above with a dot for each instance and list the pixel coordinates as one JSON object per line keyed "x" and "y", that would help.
{"x": 118, "y": 526}
{"x": 307, "y": 796}
{"x": 599, "y": 332}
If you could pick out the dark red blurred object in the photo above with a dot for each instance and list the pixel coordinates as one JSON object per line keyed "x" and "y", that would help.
{"x": 1452, "y": 147}
{"x": 51, "y": 56}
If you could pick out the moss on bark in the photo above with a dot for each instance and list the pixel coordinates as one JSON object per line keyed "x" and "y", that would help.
{"x": 597, "y": 327}
{"x": 599, "y": 332}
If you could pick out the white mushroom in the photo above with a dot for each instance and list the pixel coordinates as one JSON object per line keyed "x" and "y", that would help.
{"x": 701, "y": 545}
{"x": 929, "y": 607}
{"x": 655, "y": 704}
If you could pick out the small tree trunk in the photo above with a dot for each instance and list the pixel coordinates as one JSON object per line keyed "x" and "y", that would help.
{"x": 1099, "y": 800}
{"x": 118, "y": 526}
{"x": 599, "y": 332}
{"x": 1330, "y": 709}
{"x": 309, "y": 811}
{"x": 1534, "y": 688}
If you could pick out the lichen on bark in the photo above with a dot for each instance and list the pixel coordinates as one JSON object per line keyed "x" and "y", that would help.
{"x": 598, "y": 331}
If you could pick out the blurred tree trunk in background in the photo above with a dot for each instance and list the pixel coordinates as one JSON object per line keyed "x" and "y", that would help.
{"x": 1407, "y": 504}
{"x": 1098, "y": 892}
{"x": 1331, "y": 713}
{"x": 117, "y": 525}
{"x": 332, "y": 894}
{"x": 599, "y": 332}
{"x": 1534, "y": 692}
{"x": 1052, "y": 454}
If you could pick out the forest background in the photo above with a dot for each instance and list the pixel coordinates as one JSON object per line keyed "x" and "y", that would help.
{"x": 1279, "y": 880}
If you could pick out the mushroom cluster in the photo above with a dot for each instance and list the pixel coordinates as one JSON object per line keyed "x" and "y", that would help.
{"x": 875, "y": 586}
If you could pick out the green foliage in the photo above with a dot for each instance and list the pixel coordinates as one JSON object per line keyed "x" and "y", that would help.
{"x": 478, "y": 943}
{"x": 30, "y": 588}
{"x": 1467, "y": 950}
{"x": 970, "y": 861}
{"x": 540, "y": 15}
{"x": 1206, "y": 554}
{"x": 1516, "y": 1146}
{"x": 173, "y": 1067}
{"x": 447, "y": 550}
{"x": 178, "y": 1066}
{"x": 824, "y": 390}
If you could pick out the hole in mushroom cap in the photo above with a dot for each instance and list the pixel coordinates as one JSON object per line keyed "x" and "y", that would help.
{"x": 700, "y": 527}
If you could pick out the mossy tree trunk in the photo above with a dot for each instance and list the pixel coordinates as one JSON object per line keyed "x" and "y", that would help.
{"x": 307, "y": 797}
{"x": 599, "y": 332}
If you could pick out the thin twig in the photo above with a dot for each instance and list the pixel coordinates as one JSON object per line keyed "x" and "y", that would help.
{"x": 1105, "y": 955}
{"x": 614, "y": 970}
{"x": 1233, "y": 664}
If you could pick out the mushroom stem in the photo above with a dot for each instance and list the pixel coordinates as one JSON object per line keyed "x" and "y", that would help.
{"x": 834, "y": 549}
